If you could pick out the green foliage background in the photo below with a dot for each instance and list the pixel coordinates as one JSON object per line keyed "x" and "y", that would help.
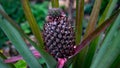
{"x": 14, "y": 9}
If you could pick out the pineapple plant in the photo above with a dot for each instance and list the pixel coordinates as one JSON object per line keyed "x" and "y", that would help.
{"x": 60, "y": 46}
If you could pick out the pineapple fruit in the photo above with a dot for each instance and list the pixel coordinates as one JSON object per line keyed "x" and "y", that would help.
{"x": 58, "y": 34}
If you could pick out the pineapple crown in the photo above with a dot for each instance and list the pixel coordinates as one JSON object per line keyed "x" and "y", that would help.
{"x": 55, "y": 14}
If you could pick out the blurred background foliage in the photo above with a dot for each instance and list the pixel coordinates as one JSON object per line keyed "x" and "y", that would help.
{"x": 14, "y": 10}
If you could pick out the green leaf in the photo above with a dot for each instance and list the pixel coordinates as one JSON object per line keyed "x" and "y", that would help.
{"x": 90, "y": 53}
{"x": 3, "y": 65}
{"x": 90, "y": 28}
{"x": 110, "y": 7}
{"x": 110, "y": 54}
{"x": 96, "y": 32}
{"x": 48, "y": 58}
{"x": 37, "y": 34}
{"x": 19, "y": 43}
{"x": 94, "y": 43}
{"x": 93, "y": 17}
{"x": 12, "y": 22}
{"x": 55, "y": 3}
{"x": 32, "y": 22}
{"x": 105, "y": 45}
{"x": 20, "y": 64}
{"x": 25, "y": 27}
{"x": 79, "y": 20}
{"x": 116, "y": 63}
{"x": 69, "y": 62}
{"x": 78, "y": 29}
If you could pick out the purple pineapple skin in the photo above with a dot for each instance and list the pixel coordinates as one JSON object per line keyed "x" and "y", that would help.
{"x": 58, "y": 34}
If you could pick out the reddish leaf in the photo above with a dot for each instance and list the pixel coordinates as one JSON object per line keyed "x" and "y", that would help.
{"x": 16, "y": 58}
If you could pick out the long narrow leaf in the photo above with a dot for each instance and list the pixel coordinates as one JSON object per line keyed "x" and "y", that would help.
{"x": 79, "y": 19}
{"x": 13, "y": 23}
{"x": 78, "y": 30}
{"x": 69, "y": 62}
{"x": 19, "y": 43}
{"x": 48, "y": 58}
{"x": 94, "y": 43}
{"x": 32, "y": 22}
{"x": 90, "y": 53}
{"x": 55, "y": 3}
{"x": 3, "y": 65}
{"x": 110, "y": 54}
{"x": 106, "y": 41}
{"x": 108, "y": 10}
{"x": 97, "y": 32}
{"x": 90, "y": 28}
{"x": 93, "y": 17}
{"x": 116, "y": 63}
